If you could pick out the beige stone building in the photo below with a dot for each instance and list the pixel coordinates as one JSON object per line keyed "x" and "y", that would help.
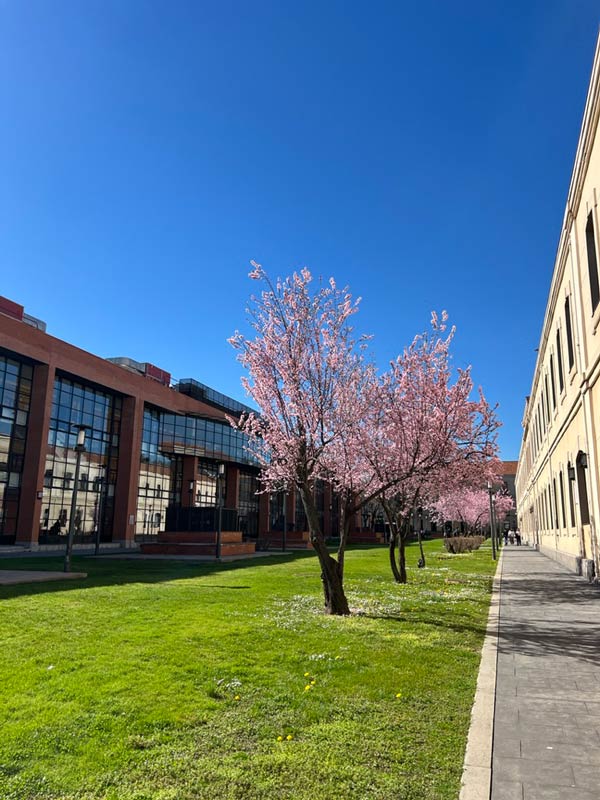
{"x": 558, "y": 478}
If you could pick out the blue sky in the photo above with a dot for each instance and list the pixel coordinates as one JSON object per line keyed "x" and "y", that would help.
{"x": 418, "y": 151}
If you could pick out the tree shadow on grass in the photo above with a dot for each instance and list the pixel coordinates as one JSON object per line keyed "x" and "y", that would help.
{"x": 418, "y": 618}
{"x": 113, "y": 571}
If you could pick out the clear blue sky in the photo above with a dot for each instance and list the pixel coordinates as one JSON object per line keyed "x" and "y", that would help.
{"x": 418, "y": 151}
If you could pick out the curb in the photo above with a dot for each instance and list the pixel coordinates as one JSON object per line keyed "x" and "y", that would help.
{"x": 476, "y": 782}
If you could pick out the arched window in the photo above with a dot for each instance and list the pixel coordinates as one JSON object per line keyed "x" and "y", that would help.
{"x": 581, "y": 466}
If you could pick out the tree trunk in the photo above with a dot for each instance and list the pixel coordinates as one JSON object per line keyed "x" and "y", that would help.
{"x": 422, "y": 562}
{"x": 333, "y": 582}
{"x": 344, "y": 536}
{"x": 402, "y": 558}
{"x": 393, "y": 564}
{"x": 332, "y": 573}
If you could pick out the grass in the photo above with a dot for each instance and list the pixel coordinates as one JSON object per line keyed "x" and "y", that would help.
{"x": 124, "y": 686}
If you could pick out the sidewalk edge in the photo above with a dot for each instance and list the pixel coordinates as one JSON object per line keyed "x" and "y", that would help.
{"x": 477, "y": 767}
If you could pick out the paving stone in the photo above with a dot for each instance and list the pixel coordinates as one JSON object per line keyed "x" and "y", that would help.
{"x": 508, "y": 790}
{"x": 541, "y": 717}
{"x": 507, "y": 747}
{"x": 551, "y": 733}
{"x": 587, "y": 724}
{"x": 545, "y": 792}
{"x": 524, "y": 771}
{"x": 507, "y": 716}
{"x": 588, "y": 777}
{"x": 561, "y": 752}
{"x": 580, "y": 735}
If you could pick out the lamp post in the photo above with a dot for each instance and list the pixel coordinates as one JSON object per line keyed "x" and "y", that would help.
{"x": 191, "y": 488}
{"x": 492, "y": 531}
{"x": 79, "y": 449}
{"x": 421, "y": 562}
{"x": 99, "y": 513}
{"x": 220, "y": 476}
{"x": 284, "y": 540}
{"x": 496, "y": 524}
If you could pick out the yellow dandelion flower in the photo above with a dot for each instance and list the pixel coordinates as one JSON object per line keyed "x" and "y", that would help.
{"x": 307, "y": 674}
{"x": 399, "y": 695}
{"x": 280, "y": 738}
{"x": 307, "y": 687}
{"x": 237, "y": 697}
{"x": 289, "y": 737}
{"x": 312, "y": 683}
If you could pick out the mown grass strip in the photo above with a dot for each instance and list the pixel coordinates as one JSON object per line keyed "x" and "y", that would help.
{"x": 172, "y": 681}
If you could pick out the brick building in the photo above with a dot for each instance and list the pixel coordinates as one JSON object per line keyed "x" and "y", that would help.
{"x": 153, "y": 452}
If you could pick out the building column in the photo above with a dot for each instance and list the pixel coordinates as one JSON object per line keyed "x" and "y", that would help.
{"x": 128, "y": 472}
{"x": 264, "y": 522}
{"x": 36, "y": 447}
{"x": 189, "y": 473}
{"x": 232, "y": 485}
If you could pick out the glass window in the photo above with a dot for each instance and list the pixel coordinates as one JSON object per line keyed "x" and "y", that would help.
{"x": 559, "y": 363}
{"x": 15, "y": 395}
{"x": 590, "y": 240}
{"x": 570, "y": 351}
{"x": 98, "y": 462}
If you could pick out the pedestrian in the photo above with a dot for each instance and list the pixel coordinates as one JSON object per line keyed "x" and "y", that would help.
{"x": 518, "y": 536}
{"x": 505, "y": 536}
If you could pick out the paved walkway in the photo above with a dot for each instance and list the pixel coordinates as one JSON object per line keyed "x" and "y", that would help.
{"x": 546, "y": 742}
{"x": 8, "y": 577}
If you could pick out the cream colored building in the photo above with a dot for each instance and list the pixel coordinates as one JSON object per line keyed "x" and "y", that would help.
{"x": 558, "y": 478}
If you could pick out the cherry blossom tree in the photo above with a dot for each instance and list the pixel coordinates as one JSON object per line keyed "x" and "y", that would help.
{"x": 325, "y": 414}
{"x": 432, "y": 433}
{"x": 307, "y": 375}
{"x": 471, "y": 506}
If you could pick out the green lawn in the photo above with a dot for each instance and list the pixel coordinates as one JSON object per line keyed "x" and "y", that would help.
{"x": 124, "y": 686}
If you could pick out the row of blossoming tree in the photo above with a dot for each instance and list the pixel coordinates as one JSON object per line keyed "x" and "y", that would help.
{"x": 403, "y": 438}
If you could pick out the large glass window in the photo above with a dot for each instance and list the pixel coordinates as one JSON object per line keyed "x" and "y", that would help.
{"x": 207, "y": 438}
{"x": 167, "y": 438}
{"x": 570, "y": 351}
{"x": 248, "y": 503}
{"x": 581, "y": 466}
{"x": 559, "y": 363}
{"x": 552, "y": 383}
{"x": 15, "y": 398}
{"x": 160, "y": 477}
{"x": 590, "y": 240}
{"x": 73, "y": 405}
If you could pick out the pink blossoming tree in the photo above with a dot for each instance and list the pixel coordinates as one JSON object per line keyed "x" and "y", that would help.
{"x": 434, "y": 434}
{"x": 306, "y": 374}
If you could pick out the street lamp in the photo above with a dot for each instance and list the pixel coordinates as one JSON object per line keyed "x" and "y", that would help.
{"x": 191, "y": 487}
{"x": 492, "y": 532}
{"x": 99, "y": 512}
{"x": 220, "y": 476}
{"x": 284, "y": 540}
{"x": 79, "y": 449}
{"x": 496, "y": 524}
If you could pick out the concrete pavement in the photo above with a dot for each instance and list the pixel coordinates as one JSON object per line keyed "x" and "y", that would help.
{"x": 546, "y": 743}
